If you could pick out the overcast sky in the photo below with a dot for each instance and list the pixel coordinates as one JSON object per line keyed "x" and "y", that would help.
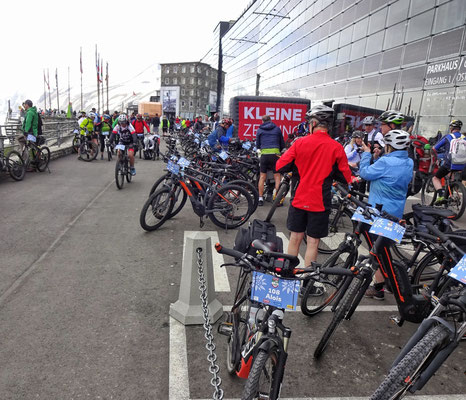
{"x": 130, "y": 35}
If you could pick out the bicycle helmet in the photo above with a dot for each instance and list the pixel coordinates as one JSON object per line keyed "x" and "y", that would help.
{"x": 357, "y": 134}
{"x": 398, "y": 139}
{"x": 321, "y": 113}
{"x": 456, "y": 123}
{"x": 123, "y": 118}
{"x": 369, "y": 120}
{"x": 392, "y": 117}
{"x": 226, "y": 121}
{"x": 91, "y": 115}
{"x": 139, "y": 116}
{"x": 106, "y": 117}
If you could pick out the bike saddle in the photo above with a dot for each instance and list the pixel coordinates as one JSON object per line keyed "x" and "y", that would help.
{"x": 443, "y": 213}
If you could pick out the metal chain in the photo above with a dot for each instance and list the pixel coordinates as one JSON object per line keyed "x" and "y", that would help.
{"x": 216, "y": 381}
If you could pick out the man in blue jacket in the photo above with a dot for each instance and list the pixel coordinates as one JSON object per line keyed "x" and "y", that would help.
{"x": 270, "y": 142}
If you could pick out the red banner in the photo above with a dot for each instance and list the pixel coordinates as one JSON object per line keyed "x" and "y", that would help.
{"x": 285, "y": 115}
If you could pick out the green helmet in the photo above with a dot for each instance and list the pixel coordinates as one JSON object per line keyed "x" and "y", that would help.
{"x": 392, "y": 117}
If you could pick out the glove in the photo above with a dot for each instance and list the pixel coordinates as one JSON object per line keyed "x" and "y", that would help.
{"x": 427, "y": 147}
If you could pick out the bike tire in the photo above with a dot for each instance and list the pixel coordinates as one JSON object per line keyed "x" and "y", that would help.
{"x": 338, "y": 316}
{"x": 119, "y": 174}
{"x": 42, "y": 158}
{"x": 458, "y": 194}
{"x": 250, "y": 188}
{"x": 428, "y": 192}
{"x": 281, "y": 194}
{"x": 230, "y": 206}
{"x": 262, "y": 375}
{"x": 129, "y": 177}
{"x": 75, "y": 144}
{"x": 411, "y": 365}
{"x": 159, "y": 205}
{"x": 178, "y": 205}
{"x": 318, "y": 295}
{"x": 343, "y": 226}
{"x": 425, "y": 273}
{"x": 88, "y": 151}
{"x": 109, "y": 154}
{"x": 15, "y": 165}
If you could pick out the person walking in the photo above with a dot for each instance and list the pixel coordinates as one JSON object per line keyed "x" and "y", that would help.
{"x": 270, "y": 142}
{"x": 156, "y": 123}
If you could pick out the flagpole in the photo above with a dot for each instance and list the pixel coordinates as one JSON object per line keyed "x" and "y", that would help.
{"x": 81, "y": 69}
{"x": 48, "y": 85}
{"x": 106, "y": 78}
{"x": 102, "y": 83}
{"x": 98, "y": 87}
{"x": 58, "y": 99}
{"x": 45, "y": 94}
{"x": 69, "y": 90}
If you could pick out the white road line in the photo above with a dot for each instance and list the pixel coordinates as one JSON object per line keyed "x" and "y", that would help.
{"x": 220, "y": 274}
{"x": 429, "y": 397}
{"x": 285, "y": 245}
{"x": 360, "y": 308}
{"x": 178, "y": 380}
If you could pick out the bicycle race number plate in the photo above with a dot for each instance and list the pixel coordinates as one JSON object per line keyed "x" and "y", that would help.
{"x": 459, "y": 271}
{"x": 31, "y": 138}
{"x": 196, "y": 135}
{"x": 196, "y": 140}
{"x": 246, "y": 145}
{"x": 358, "y": 216}
{"x": 173, "y": 168}
{"x": 183, "y": 163}
{"x": 120, "y": 147}
{"x": 205, "y": 143}
{"x": 105, "y": 133}
{"x": 223, "y": 155}
{"x": 273, "y": 291}
{"x": 389, "y": 229}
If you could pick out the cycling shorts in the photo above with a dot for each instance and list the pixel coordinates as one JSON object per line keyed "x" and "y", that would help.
{"x": 267, "y": 163}
{"x": 314, "y": 223}
{"x": 443, "y": 171}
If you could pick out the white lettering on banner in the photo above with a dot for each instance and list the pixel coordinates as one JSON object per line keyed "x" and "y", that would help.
{"x": 275, "y": 113}
{"x": 297, "y": 115}
{"x": 442, "y": 67}
{"x": 271, "y": 112}
{"x": 248, "y": 113}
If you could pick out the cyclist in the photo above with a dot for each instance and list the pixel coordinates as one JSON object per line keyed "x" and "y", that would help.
{"x": 353, "y": 150}
{"x": 87, "y": 128}
{"x": 126, "y": 133}
{"x": 165, "y": 124}
{"x": 372, "y": 135}
{"x": 198, "y": 125}
{"x": 139, "y": 124}
{"x": 155, "y": 123}
{"x": 106, "y": 128}
{"x": 389, "y": 176}
{"x": 443, "y": 148}
{"x": 319, "y": 160}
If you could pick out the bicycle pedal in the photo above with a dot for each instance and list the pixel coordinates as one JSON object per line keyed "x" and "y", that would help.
{"x": 225, "y": 328}
{"x": 397, "y": 320}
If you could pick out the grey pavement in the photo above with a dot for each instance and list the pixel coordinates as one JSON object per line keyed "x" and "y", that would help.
{"x": 85, "y": 294}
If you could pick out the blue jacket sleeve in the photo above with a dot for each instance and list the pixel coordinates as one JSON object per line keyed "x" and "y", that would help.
{"x": 439, "y": 147}
{"x": 258, "y": 139}
{"x": 372, "y": 172}
{"x": 223, "y": 139}
{"x": 350, "y": 153}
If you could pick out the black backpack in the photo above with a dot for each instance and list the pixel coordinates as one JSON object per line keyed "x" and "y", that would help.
{"x": 257, "y": 229}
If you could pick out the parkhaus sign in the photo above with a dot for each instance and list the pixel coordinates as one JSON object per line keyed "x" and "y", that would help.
{"x": 446, "y": 72}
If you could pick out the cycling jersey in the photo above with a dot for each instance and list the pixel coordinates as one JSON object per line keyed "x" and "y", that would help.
{"x": 374, "y": 136}
{"x": 139, "y": 126}
{"x": 319, "y": 160}
{"x": 126, "y": 134}
{"x": 353, "y": 153}
{"x": 87, "y": 124}
{"x": 443, "y": 148}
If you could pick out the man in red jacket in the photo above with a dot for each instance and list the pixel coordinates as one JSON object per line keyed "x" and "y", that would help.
{"x": 138, "y": 125}
{"x": 319, "y": 160}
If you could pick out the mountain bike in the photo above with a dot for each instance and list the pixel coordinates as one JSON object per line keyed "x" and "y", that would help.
{"x": 122, "y": 167}
{"x": 108, "y": 146}
{"x": 268, "y": 284}
{"x": 140, "y": 137}
{"x": 76, "y": 141}
{"x": 12, "y": 163}
{"x": 88, "y": 150}
{"x": 36, "y": 155}
{"x": 455, "y": 193}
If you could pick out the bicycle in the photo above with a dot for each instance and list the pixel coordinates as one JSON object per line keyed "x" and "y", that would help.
{"x": 140, "y": 143}
{"x": 40, "y": 154}
{"x": 257, "y": 338}
{"x": 88, "y": 150}
{"x": 76, "y": 140}
{"x": 122, "y": 168}
{"x": 12, "y": 163}
{"x": 455, "y": 193}
{"x": 108, "y": 145}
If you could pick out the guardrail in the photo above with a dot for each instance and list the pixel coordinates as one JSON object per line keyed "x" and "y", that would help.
{"x": 56, "y": 131}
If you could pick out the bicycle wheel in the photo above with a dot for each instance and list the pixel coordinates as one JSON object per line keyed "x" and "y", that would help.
{"x": 75, "y": 144}
{"x": 119, "y": 174}
{"x": 456, "y": 199}
{"x": 404, "y": 374}
{"x": 42, "y": 158}
{"x": 339, "y": 226}
{"x": 251, "y": 190}
{"x": 164, "y": 180}
{"x": 156, "y": 210}
{"x": 229, "y": 207}
{"x": 425, "y": 273}
{"x": 318, "y": 295}
{"x": 88, "y": 151}
{"x": 338, "y": 316}
{"x": 128, "y": 175}
{"x": 428, "y": 192}
{"x": 109, "y": 153}
{"x": 279, "y": 199}
{"x": 15, "y": 165}
{"x": 179, "y": 201}
{"x": 262, "y": 375}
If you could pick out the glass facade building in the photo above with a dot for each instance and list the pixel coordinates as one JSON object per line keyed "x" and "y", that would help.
{"x": 369, "y": 53}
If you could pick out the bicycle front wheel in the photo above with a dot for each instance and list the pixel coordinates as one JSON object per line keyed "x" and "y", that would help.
{"x": 261, "y": 379}
{"x": 279, "y": 199}
{"x": 42, "y": 158}
{"x": 403, "y": 374}
{"x": 75, "y": 144}
{"x": 15, "y": 164}
{"x": 428, "y": 192}
{"x": 230, "y": 206}
{"x": 456, "y": 199}
{"x": 88, "y": 151}
{"x": 119, "y": 174}
{"x": 156, "y": 210}
{"x": 340, "y": 224}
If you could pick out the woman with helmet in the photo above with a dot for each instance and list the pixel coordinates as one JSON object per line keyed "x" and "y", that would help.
{"x": 126, "y": 133}
{"x": 389, "y": 176}
{"x": 353, "y": 150}
{"x": 105, "y": 130}
{"x": 319, "y": 160}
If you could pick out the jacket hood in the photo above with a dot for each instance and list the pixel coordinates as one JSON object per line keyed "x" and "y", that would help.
{"x": 268, "y": 126}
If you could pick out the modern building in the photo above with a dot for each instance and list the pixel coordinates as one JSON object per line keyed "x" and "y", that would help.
{"x": 408, "y": 54}
{"x": 188, "y": 89}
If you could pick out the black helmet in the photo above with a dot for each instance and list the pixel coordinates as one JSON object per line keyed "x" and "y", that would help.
{"x": 392, "y": 117}
{"x": 456, "y": 123}
{"x": 357, "y": 134}
{"x": 321, "y": 113}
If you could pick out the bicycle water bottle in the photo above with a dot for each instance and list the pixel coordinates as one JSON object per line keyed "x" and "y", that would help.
{"x": 256, "y": 313}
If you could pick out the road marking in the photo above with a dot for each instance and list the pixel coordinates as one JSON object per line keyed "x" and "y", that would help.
{"x": 360, "y": 308}
{"x": 178, "y": 379}
{"x": 429, "y": 397}
{"x": 221, "y": 281}
{"x": 286, "y": 242}
{"x": 20, "y": 280}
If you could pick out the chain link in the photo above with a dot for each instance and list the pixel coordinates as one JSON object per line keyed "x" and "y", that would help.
{"x": 214, "y": 369}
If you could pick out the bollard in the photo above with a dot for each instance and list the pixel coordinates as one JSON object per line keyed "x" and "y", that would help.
{"x": 187, "y": 309}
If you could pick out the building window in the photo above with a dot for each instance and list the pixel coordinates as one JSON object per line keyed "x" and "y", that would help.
{"x": 199, "y": 82}
{"x": 167, "y": 81}
{"x": 198, "y": 92}
{"x": 183, "y": 80}
{"x": 206, "y": 72}
{"x": 191, "y": 104}
{"x": 198, "y": 103}
{"x": 192, "y": 69}
{"x": 167, "y": 70}
{"x": 183, "y": 103}
{"x": 175, "y": 81}
{"x": 191, "y": 92}
{"x": 192, "y": 81}
{"x": 182, "y": 92}
{"x": 198, "y": 70}
{"x": 183, "y": 69}
{"x": 175, "y": 70}
{"x": 206, "y": 84}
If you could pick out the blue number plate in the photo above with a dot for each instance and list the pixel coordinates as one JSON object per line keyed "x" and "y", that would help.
{"x": 31, "y": 138}
{"x": 273, "y": 291}
{"x": 358, "y": 216}
{"x": 459, "y": 271}
{"x": 205, "y": 143}
{"x": 173, "y": 168}
{"x": 196, "y": 135}
{"x": 223, "y": 155}
{"x": 246, "y": 145}
{"x": 120, "y": 147}
{"x": 389, "y": 229}
{"x": 182, "y": 162}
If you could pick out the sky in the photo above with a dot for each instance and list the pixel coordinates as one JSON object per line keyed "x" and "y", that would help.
{"x": 131, "y": 36}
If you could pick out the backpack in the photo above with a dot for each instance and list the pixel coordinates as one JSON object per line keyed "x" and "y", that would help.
{"x": 257, "y": 229}
{"x": 212, "y": 138}
{"x": 458, "y": 150}
{"x": 147, "y": 155}
{"x": 39, "y": 124}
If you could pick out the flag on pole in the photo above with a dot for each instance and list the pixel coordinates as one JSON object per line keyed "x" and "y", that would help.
{"x": 101, "y": 70}
{"x": 81, "y": 59}
{"x": 56, "y": 76}
{"x": 47, "y": 81}
{"x": 106, "y": 73}
{"x": 98, "y": 68}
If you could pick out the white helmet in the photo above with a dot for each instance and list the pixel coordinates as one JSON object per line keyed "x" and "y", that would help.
{"x": 398, "y": 139}
{"x": 369, "y": 120}
{"x": 122, "y": 118}
{"x": 91, "y": 115}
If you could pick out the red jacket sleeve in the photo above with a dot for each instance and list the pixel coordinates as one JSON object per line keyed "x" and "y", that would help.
{"x": 287, "y": 158}
{"x": 343, "y": 166}
{"x": 147, "y": 127}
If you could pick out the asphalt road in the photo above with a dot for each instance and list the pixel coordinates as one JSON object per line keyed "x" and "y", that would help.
{"x": 85, "y": 294}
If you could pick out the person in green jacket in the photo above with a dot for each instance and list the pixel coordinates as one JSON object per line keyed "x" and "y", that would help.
{"x": 30, "y": 124}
